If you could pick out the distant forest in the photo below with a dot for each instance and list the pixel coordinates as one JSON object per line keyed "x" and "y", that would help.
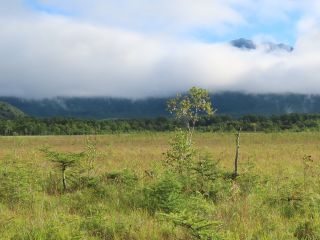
{"x": 217, "y": 123}
{"x": 227, "y": 103}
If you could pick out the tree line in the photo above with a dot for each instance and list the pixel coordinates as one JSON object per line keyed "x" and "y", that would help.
{"x": 215, "y": 123}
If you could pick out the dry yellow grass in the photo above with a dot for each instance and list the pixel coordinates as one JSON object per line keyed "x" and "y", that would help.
{"x": 271, "y": 153}
{"x": 140, "y": 151}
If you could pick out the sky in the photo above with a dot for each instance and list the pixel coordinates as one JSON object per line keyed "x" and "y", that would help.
{"x": 151, "y": 48}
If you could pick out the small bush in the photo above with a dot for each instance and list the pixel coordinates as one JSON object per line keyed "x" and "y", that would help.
{"x": 196, "y": 219}
{"x": 208, "y": 179}
{"x": 180, "y": 155}
{"x": 164, "y": 195}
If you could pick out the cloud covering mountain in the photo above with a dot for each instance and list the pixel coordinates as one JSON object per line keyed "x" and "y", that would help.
{"x": 104, "y": 48}
{"x": 247, "y": 44}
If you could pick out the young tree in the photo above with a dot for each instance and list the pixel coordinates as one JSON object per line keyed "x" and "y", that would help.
{"x": 190, "y": 107}
{"x": 63, "y": 162}
{"x": 187, "y": 108}
{"x": 180, "y": 154}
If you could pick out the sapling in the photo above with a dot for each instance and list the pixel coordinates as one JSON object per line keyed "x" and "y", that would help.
{"x": 190, "y": 107}
{"x": 180, "y": 155}
{"x": 63, "y": 161}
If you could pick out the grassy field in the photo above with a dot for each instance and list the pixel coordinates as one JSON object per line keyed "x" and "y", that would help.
{"x": 129, "y": 194}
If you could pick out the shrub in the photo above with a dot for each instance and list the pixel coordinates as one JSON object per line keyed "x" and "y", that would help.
{"x": 164, "y": 195}
{"x": 208, "y": 179}
{"x": 196, "y": 219}
{"x": 179, "y": 157}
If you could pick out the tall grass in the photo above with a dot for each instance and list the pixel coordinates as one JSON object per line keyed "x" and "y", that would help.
{"x": 130, "y": 195}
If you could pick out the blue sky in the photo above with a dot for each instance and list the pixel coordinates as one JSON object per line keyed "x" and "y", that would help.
{"x": 143, "y": 48}
{"x": 47, "y": 8}
{"x": 279, "y": 28}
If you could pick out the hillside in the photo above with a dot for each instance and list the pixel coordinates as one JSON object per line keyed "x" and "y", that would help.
{"x": 229, "y": 103}
{"x": 8, "y": 111}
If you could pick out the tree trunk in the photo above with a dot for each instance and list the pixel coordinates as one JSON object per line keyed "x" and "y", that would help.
{"x": 64, "y": 181}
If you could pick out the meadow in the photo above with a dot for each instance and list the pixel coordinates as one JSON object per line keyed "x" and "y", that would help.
{"x": 123, "y": 189}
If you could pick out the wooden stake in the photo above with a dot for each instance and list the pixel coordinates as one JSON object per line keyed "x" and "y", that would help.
{"x": 236, "y": 160}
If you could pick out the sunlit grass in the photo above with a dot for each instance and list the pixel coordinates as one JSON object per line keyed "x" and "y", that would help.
{"x": 84, "y": 215}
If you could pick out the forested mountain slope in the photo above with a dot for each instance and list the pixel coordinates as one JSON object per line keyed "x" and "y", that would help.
{"x": 8, "y": 111}
{"x": 229, "y": 103}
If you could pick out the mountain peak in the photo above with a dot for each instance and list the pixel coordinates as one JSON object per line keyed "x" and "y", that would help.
{"x": 243, "y": 43}
{"x": 247, "y": 44}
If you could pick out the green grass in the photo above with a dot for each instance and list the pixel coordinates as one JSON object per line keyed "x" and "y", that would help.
{"x": 277, "y": 195}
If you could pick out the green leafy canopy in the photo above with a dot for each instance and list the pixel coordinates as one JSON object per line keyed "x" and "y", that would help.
{"x": 192, "y": 106}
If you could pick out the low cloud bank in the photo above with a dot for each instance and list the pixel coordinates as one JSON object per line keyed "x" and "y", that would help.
{"x": 49, "y": 55}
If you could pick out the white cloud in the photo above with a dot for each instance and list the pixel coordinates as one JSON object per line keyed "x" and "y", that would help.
{"x": 12, "y": 7}
{"x": 174, "y": 17}
{"x": 217, "y": 16}
{"x": 47, "y": 55}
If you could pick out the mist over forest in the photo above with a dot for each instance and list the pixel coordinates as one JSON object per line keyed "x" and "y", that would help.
{"x": 227, "y": 103}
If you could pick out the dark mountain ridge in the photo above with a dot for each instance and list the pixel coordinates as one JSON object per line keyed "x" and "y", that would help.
{"x": 230, "y": 103}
